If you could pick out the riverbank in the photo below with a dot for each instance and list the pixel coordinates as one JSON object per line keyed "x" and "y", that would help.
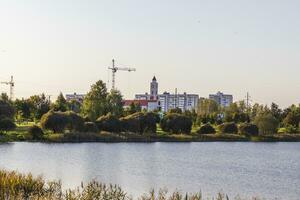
{"x": 21, "y": 134}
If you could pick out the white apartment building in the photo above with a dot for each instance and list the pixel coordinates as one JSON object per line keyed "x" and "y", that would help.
{"x": 223, "y": 100}
{"x": 167, "y": 101}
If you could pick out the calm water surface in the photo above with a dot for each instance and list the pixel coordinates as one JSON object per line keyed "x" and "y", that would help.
{"x": 269, "y": 170}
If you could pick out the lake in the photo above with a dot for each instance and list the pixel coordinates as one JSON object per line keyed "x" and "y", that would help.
{"x": 269, "y": 170}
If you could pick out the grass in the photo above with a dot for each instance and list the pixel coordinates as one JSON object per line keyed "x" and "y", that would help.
{"x": 17, "y": 186}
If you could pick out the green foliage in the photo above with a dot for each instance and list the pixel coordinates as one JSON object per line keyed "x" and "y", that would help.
{"x": 175, "y": 110}
{"x": 75, "y": 121}
{"x": 228, "y": 127}
{"x": 293, "y": 117}
{"x": 176, "y": 123}
{"x": 6, "y": 124}
{"x": 237, "y": 112}
{"x": 95, "y": 103}
{"x": 207, "y": 107}
{"x": 133, "y": 108}
{"x": 266, "y": 123}
{"x": 23, "y": 109}
{"x": 55, "y": 121}
{"x": 60, "y": 103}
{"x": 36, "y": 132}
{"x": 248, "y": 129}
{"x": 206, "y": 129}
{"x": 40, "y": 106}
{"x": 6, "y": 108}
{"x": 90, "y": 127}
{"x": 115, "y": 104}
{"x": 109, "y": 123}
{"x": 140, "y": 122}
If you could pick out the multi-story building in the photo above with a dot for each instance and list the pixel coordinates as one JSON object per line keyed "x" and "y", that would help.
{"x": 167, "y": 101}
{"x": 222, "y": 99}
{"x": 77, "y": 97}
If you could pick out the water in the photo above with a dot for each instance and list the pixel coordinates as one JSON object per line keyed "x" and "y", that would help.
{"x": 268, "y": 170}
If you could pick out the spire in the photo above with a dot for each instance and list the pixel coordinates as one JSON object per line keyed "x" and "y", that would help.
{"x": 154, "y": 78}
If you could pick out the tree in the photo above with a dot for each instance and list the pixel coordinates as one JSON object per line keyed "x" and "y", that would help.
{"x": 133, "y": 108}
{"x": 6, "y": 124}
{"x": 266, "y": 123}
{"x": 115, "y": 103}
{"x": 75, "y": 121}
{"x": 95, "y": 103}
{"x": 237, "y": 112}
{"x": 109, "y": 123}
{"x": 74, "y": 106}
{"x": 175, "y": 110}
{"x": 207, "y": 107}
{"x": 60, "y": 103}
{"x": 293, "y": 117}
{"x": 276, "y": 111}
{"x": 41, "y": 105}
{"x": 6, "y": 109}
{"x": 24, "y": 109}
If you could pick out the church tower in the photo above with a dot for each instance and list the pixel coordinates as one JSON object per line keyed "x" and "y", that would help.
{"x": 153, "y": 89}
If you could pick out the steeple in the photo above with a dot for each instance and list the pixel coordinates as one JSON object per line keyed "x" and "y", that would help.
{"x": 153, "y": 89}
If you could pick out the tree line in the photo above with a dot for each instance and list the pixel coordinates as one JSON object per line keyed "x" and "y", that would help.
{"x": 102, "y": 110}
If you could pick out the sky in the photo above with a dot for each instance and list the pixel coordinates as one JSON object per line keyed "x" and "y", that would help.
{"x": 197, "y": 46}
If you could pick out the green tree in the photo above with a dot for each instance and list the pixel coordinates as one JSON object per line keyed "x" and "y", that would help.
{"x": 95, "y": 103}
{"x": 207, "y": 107}
{"x": 6, "y": 124}
{"x": 115, "y": 103}
{"x": 41, "y": 105}
{"x": 60, "y": 103}
{"x": 276, "y": 111}
{"x": 293, "y": 117}
{"x": 6, "y": 108}
{"x": 133, "y": 108}
{"x": 266, "y": 123}
{"x": 24, "y": 109}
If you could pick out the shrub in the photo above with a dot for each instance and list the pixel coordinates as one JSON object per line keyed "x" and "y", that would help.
{"x": 176, "y": 123}
{"x": 36, "y": 132}
{"x": 229, "y": 127}
{"x": 75, "y": 121}
{"x": 248, "y": 129}
{"x": 109, "y": 123}
{"x": 55, "y": 121}
{"x": 6, "y": 124}
{"x": 206, "y": 129}
{"x": 90, "y": 127}
{"x": 140, "y": 122}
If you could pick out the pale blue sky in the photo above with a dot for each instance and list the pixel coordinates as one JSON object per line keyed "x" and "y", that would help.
{"x": 198, "y": 46}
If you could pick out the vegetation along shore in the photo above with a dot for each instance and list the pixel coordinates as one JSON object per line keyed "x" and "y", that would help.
{"x": 14, "y": 185}
{"x": 102, "y": 118}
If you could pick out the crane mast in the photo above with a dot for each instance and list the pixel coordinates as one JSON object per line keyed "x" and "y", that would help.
{"x": 114, "y": 69}
{"x": 11, "y": 84}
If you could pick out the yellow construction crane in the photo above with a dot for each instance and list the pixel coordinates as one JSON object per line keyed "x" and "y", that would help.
{"x": 114, "y": 69}
{"x": 11, "y": 84}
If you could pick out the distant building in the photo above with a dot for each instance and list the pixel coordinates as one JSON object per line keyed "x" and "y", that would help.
{"x": 222, "y": 99}
{"x": 167, "y": 101}
{"x": 77, "y": 97}
{"x": 149, "y": 105}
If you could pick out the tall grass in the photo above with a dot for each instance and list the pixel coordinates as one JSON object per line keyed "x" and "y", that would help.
{"x": 17, "y": 186}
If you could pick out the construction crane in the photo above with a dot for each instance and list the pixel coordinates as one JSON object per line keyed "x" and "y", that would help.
{"x": 114, "y": 69}
{"x": 11, "y": 84}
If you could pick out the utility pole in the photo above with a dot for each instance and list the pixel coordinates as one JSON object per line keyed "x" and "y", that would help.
{"x": 248, "y": 99}
{"x": 114, "y": 69}
{"x": 11, "y": 84}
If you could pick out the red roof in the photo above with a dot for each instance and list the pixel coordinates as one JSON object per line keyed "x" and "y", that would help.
{"x": 141, "y": 102}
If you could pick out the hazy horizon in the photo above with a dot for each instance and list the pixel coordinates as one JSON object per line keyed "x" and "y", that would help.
{"x": 233, "y": 46}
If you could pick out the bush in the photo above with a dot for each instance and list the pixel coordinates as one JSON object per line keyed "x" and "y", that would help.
{"x": 176, "y": 123}
{"x": 140, "y": 122}
{"x": 7, "y": 124}
{"x": 55, "y": 121}
{"x": 90, "y": 127}
{"x": 206, "y": 129}
{"x": 229, "y": 127}
{"x": 248, "y": 129}
{"x": 75, "y": 121}
{"x": 36, "y": 132}
{"x": 109, "y": 123}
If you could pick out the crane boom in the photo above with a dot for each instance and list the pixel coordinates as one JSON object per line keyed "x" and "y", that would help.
{"x": 11, "y": 84}
{"x": 114, "y": 69}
